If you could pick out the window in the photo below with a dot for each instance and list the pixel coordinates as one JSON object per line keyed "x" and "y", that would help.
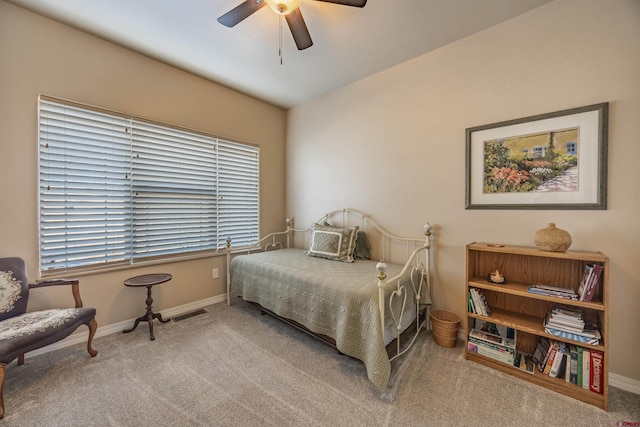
{"x": 116, "y": 189}
{"x": 539, "y": 152}
{"x": 571, "y": 147}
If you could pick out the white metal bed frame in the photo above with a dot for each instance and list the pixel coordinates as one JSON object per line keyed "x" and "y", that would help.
{"x": 414, "y": 250}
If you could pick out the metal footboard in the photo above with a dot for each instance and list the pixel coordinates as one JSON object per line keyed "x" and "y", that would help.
{"x": 414, "y": 295}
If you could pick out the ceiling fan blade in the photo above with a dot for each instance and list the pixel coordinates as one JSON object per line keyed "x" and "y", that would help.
{"x": 354, "y": 3}
{"x": 239, "y": 13}
{"x": 299, "y": 29}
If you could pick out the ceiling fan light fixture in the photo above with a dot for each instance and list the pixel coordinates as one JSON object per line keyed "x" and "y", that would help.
{"x": 283, "y": 7}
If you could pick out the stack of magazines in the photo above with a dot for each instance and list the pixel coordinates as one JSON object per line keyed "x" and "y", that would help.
{"x": 490, "y": 345}
{"x": 568, "y": 322}
{"x": 554, "y": 291}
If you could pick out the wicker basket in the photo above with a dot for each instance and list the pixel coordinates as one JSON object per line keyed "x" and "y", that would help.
{"x": 445, "y": 327}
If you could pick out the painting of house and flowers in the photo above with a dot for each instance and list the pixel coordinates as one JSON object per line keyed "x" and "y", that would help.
{"x": 540, "y": 162}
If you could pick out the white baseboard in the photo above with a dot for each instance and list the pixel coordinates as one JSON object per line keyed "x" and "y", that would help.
{"x": 81, "y": 337}
{"x": 615, "y": 380}
{"x": 624, "y": 383}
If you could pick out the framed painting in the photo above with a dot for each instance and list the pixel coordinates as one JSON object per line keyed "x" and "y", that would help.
{"x": 549, "y": 161}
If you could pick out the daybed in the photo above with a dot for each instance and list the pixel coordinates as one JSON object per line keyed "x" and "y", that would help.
{"x": 336, "y": 289}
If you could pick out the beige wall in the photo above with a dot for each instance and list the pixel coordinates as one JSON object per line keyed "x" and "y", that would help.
{"x": 37, "y": 56}
{"x": 393, "y": 145}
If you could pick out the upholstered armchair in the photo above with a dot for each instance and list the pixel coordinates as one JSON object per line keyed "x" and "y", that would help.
{"x": 22, "y": 331}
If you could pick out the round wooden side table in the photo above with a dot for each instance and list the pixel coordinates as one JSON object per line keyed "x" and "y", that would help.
{"x": 148, "y": 280}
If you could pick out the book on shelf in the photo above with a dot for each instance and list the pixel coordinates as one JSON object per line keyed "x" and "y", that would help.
{"x": 554, "y": 291}
{"x": 592, "y": 284}
{"x": 500, "y": 355}
{"x": 491, "y": 345}
{"x": 492, "y": 339}
{"x": 551, "y": 358}
{"x": 524, "y": 362}
{"x": 553, "y": 288}
{"x": 540, "y": 353}
{"x": 573, "y": 364}
{"x": 596, "y": 374}
{"x": 584, "y": 280}
{"x": 562, "y": 327}
{"x": 562, "y": 369}
{"x": 591, "y": 337}
{"x": 568, "y": 322}
{"x": 569, "y": 326}
{"x": 476, "y": 302}
{"x": 495, "y": 329}
{"x": 589, "y": 281}
{"x": 486, "y": 307}
{"x": 586, "y": 368}
{"x": 567, "y": 317}
{"x": 570, "y": 314}
{"x": 579, "y": 363}
{"x": 472, "y": 307}
{"x": 551, "y": 354}
{"x": 558, "y": 360}
{"x": 479, "y": 302}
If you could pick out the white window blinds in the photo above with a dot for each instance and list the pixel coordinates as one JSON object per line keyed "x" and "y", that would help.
{"x": 174, "y": 191}
{"x": 84, "y": 187}
{"x": 238, "y": 201}
{"x": 118, "y": 190}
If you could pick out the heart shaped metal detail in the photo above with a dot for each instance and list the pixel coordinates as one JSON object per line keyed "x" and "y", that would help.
{"x": 398, "y": 293}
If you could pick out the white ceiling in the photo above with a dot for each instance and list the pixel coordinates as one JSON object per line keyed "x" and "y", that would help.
{"x": 349, "y": 43}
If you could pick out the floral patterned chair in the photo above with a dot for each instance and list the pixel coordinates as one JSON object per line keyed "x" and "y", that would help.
{"x": 22, "y": 331}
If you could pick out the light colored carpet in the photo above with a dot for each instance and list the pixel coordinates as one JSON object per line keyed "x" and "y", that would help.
{"x": 235, "y": 367}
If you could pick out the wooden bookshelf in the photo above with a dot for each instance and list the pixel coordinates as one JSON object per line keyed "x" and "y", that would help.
{"x": 514, "y": 307}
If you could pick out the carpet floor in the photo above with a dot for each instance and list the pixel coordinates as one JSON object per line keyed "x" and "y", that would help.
{"x": 231, "y": 366}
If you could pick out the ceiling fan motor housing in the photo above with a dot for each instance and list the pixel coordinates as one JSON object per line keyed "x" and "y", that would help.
{"x": 283, "y": 7}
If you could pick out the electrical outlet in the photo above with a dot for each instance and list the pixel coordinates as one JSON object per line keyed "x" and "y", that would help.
{"x": 214, "y": 273}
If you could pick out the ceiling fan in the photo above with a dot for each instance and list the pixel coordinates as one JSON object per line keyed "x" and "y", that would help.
{"x": 291, "y": 11}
